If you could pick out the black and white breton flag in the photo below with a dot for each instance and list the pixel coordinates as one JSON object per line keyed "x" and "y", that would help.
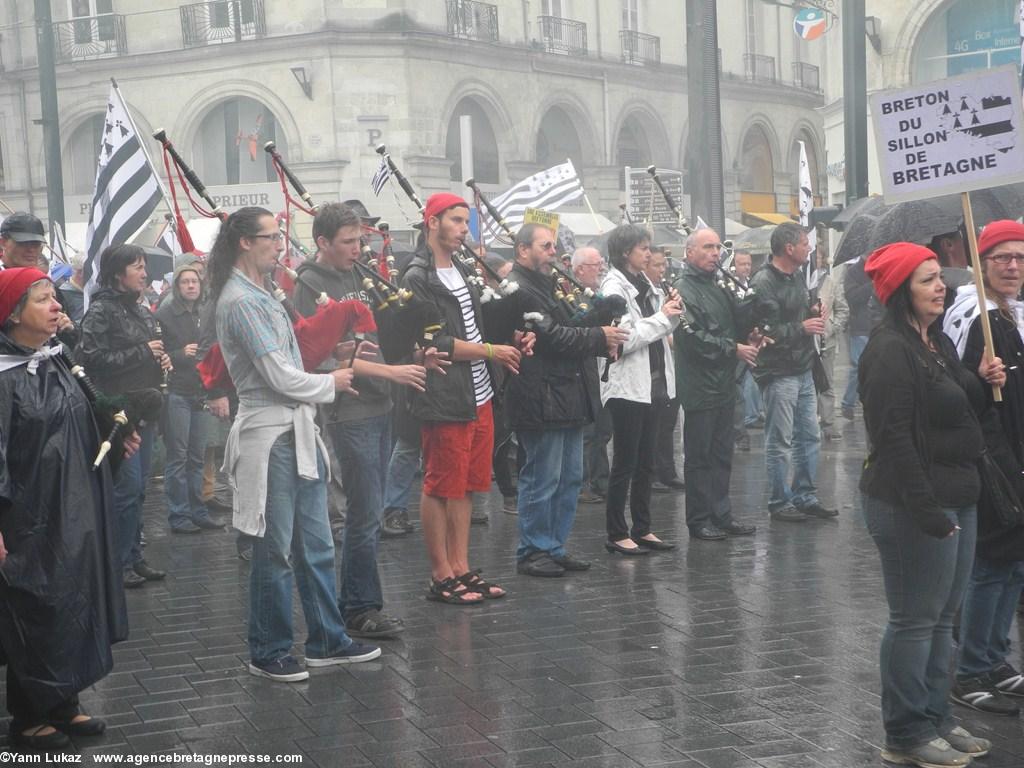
{"x": 546, "y": 191}
{"x": 380, "y": 178}
{"x": 127, "y": 190}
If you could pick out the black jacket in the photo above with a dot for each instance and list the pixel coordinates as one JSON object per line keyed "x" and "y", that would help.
{"x": 556, "y": 387}
{"x": 448, "y": 398}
{"x": 893, "y": 381}
{"x": 858, "y": 291}
{"x": 706, "y": 346}
{"x": 781, "y": 304}
{"x": 999, "y": 539}
{"x": 180, "y": 326}
{"x": 114, "y": 349}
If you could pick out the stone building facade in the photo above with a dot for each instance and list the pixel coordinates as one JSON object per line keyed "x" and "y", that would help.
{"x": 603, "y": 83}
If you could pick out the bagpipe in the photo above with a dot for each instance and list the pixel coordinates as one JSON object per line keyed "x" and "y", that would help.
{"x": 402, "y": 320}
{"x": 117, "y": 416}
{"x": 502, "y": 304}
{"x": 318, "y": 335}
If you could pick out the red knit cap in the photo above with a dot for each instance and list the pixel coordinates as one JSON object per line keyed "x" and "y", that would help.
{"x": 13, "y": 284}
{"x": 997, "y": 232}
{"x": 891, "y": 264}
{"x": 441, "y": 202}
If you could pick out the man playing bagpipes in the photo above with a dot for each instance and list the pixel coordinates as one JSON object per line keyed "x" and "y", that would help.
{"x": 455, "y": 410}
{"x": 358, "y": 426}
{"x": 275, "y": 458}
{"x": 548, "y": 404}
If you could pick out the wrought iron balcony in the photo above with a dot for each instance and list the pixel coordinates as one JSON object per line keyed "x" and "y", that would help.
{"x": 563, "y": 35}
{"x": 806, "y": 76}
{"x": 638, "y": 48}
{"x": 89, "y": 37}
{"x": 473, "y": 20}
{"x": 222, "y": 21}
{"x": 760, "y": 69}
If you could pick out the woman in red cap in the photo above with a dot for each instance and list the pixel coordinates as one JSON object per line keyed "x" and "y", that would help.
{"x": 61, "y": 600}
{"x": 920, "y": 485}
{"x": 984, "y": 677}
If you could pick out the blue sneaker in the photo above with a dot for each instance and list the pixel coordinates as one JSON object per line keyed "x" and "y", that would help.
{"x": 284, "y": 669}
{"x": 354, "y": 654}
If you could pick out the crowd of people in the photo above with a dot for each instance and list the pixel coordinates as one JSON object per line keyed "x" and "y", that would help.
{"x": 530, "y": 403}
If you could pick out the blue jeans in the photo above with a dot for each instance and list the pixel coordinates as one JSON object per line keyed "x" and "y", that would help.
{"x": 362, "y": 448}
{"x": 549, "y": 486}
{"x": 129, "y": 494}
{"x": 791, "y": 435}
{"x": 989, "y": 606}
{"x": 405, "y": 460}
{"x": 857, "y": 344}
{"x": 297, "y": 545}
{"x": 185, "y": 436}
{"x": 925, "y": 579}
{"x": 753, "y": 407}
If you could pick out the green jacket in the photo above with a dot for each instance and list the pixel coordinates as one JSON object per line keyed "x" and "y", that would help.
{"x": 705, "y": 347}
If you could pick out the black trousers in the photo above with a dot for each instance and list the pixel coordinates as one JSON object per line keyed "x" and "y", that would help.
{"x": 596, "y": 437}
{"x": 635, "y": 428}
{"x": 25, "y": 713}
{"x": 665, "y": 443}
{"x": 708, "y": 441}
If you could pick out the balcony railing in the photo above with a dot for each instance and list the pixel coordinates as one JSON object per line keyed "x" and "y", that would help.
{"x": 760, "y": 69}
{"x": 90, "y": 37}
{"x": 473, "y": 20}
{"x": 638, "y": 48}
{"x": 222, "y": 21}
{"x": 563, "y": 35}
{"x": 806, "y": 76}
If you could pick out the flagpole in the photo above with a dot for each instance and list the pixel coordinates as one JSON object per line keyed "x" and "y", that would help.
{"x": 145, "y": 152}
{"x": 597, "y": 223}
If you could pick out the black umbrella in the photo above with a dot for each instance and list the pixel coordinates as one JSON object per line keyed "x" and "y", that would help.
{"x": 853, "y": 210}
{"x": 915, "y": 221}
{"x": 859, "y": 229}
{"x": 158, "y": 263}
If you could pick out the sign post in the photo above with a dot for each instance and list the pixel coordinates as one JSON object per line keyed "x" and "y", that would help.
{"x": 952, "y": 136}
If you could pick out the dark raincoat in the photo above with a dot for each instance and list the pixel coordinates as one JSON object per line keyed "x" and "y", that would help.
{"x": 61, "y": 597}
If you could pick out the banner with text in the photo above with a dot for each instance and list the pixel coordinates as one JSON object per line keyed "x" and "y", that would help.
{"x": 950, "y": 136}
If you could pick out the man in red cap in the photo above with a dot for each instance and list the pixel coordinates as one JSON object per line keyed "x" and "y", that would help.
{"x": 455, "y": 409}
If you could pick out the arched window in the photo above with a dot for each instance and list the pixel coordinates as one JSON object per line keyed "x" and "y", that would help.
{"x": 485, "y": 146}
{"x": 757, "y": 171}
{"x": 633, "y": 147}
{"x": 82, "y": 153}
{"x": 557, "y": 140}
{"x": 228, "y": 148}
{"x": 967, "y": 35}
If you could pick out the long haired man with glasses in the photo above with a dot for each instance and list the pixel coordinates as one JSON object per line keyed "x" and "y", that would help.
{"x": 275, "y": 457}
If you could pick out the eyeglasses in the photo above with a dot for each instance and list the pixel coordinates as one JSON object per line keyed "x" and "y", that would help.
{"x": 1006, "y": 258}
{"x": 548, "y": 246}
{"x": 275, "y": 237}
{"x": 593, "y": 264}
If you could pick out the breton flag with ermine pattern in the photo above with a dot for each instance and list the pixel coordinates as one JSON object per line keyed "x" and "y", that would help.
{"x": 127, "y": 190}
{"x": 546, "y": 190}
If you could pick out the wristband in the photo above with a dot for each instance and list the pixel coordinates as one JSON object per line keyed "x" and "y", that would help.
{"x": 490, "y": 350}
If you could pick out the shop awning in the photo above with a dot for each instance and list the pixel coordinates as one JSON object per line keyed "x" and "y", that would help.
{"x": 767, "y": 217}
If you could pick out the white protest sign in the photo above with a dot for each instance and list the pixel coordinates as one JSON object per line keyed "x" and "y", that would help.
{"x": 950, "y": 136}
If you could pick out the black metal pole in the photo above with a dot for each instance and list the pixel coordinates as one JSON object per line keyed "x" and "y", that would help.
{"x": 855, "y": 100}
{"x": 45, "y": 51}
{"x": 704, "y": 143}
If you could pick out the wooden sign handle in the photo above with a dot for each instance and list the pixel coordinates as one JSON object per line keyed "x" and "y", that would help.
{"x": 979, "y": 284}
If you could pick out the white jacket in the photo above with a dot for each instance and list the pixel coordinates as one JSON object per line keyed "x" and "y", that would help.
{"x": 629, "y": 377}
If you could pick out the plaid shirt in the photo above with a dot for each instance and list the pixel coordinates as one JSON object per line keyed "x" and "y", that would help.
{"x": 252, "y": 323}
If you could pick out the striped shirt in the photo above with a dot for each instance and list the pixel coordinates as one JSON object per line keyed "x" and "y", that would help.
{"x": 456, "y": 284}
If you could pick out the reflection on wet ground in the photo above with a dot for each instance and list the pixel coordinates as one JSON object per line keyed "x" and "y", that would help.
{"x": 759, "y": 651}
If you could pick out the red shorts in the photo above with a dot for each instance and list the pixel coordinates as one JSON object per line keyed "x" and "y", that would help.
{"x": 457, "y": 455}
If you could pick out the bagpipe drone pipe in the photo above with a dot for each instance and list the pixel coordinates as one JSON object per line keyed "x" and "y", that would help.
{"x": 117, "y": 416}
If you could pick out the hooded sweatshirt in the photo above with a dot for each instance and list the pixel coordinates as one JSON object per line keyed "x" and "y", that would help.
{"x": 180, "y": 325}
{"x": 314, "y": 279}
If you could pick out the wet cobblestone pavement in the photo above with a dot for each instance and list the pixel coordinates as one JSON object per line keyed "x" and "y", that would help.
{"x": 753, "y": 652}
